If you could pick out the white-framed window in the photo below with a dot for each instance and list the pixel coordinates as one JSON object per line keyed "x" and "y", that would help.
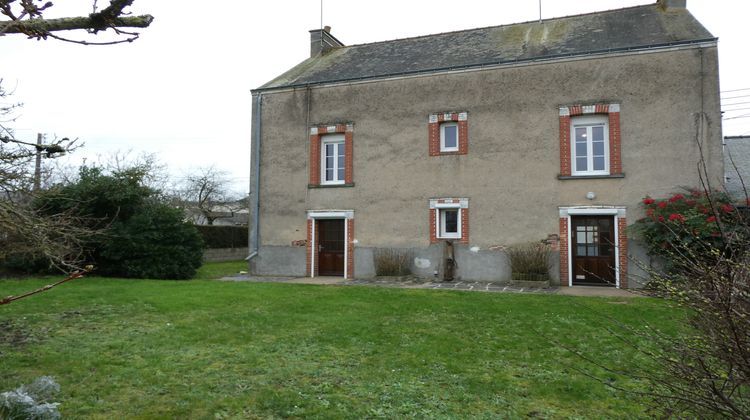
{"x": 332, "y": 159}
{"x": 590, "y": 145}
{"x": 449, "y": 137}
{"x": 449, "y": 223}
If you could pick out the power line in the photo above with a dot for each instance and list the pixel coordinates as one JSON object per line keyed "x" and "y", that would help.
{"x": 737, "y": 109}
{"x": 737, "y": 97}
{"x": 738, "y": 117}
{"x": 738, "y": 103}
{"x": 734, "y": 90}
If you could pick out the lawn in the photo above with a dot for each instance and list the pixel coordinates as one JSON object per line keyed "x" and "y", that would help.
{"x": 209, "y": 349}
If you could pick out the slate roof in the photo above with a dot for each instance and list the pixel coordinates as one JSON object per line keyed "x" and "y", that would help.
{"x": 647, "y": 26}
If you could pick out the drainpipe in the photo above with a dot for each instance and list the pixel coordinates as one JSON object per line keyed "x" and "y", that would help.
{"x": 255, "y": 176}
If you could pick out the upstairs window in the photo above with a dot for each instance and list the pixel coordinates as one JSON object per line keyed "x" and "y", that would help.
{"x": 448, "y": 133}
{"x": 332, "y": 159}
{"x": 590, "y": 145}
{"x": 331, "y": 156}
{"x": 590, "y": 141}
{"x": 449, "y": 137}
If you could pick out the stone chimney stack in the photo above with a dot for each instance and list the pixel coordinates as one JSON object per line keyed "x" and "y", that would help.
{"x": 321, "y": 41}
{"x": 672, "y": 4}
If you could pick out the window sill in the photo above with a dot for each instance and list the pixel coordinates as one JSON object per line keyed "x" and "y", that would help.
{"x": 450, "y": 153}
{"x": 567, "y": 177}
{"x": 310, "y": 186}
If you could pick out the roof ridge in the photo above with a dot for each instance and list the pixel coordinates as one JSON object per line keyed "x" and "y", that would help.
{"x": 498, "y": 26}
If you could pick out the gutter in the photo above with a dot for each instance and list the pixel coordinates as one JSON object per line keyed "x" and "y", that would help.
{"x": 492, "y": 64}
{"x": 255, "y": 175}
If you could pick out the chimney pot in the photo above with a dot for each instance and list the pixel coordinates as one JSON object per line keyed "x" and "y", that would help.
{"x": 327, "y": 29}
{"x": 672, "y": 4}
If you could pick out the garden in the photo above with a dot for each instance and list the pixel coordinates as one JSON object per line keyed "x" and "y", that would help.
{"x": 205, "y": 348}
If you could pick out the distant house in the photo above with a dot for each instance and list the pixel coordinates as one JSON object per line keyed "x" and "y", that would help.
{"x": 737, "y": 165}
{"x": 483, "y": 138}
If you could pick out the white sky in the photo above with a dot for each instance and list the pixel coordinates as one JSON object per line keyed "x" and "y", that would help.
{"x": 183, "y": 89}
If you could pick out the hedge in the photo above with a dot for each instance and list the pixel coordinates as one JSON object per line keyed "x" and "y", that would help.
{"x": 223, "y": 236}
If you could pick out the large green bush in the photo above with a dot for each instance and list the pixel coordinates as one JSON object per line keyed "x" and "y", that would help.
{"x": 140, "y": 236}
{"x": 153, "y": 243}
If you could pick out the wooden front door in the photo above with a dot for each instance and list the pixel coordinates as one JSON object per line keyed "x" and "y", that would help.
{"x": 593, "y": 247}
{"x": 331, "y": 247}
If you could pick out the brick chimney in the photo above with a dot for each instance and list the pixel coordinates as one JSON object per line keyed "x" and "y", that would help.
{"x": 321, "y": 41}
{"x": 672, "y": 4}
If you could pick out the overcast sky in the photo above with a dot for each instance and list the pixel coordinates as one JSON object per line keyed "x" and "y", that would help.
{"x": 182, "y": 90}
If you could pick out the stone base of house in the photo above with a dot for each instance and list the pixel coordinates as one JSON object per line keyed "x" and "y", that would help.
{"x": 224, "y": 254}
{"x": 427, "y": 263}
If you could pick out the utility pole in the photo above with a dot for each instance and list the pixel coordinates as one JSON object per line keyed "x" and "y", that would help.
{"x": 38, "y": 166}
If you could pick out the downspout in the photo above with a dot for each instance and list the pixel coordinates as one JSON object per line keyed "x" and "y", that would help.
{"x": 255, "y": 176}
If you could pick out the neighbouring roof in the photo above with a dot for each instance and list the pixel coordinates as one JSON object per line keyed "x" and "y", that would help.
{"x": 614, "y": 30}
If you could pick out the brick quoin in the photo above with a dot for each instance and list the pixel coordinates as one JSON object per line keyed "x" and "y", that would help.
{"x": 433, "y": 226}
{"x": 349, "y": 151}
{"x": 565, "y": 146}
{"x": 314, "y": 159}
{"x": 350, "y": 249}
{"x": 622, "y": 237}
{"x": 464, "y": 226}
{"x": 564, "y": 240}
{"x": 309, "y": 247}
{"x": 615, "y": 159}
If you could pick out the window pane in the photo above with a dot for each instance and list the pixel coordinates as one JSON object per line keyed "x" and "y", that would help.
{"x": 341, "y": 173}
{"x": 581, "y": 164}
{"x": 597, "y": 133}
{"x": 592, "y": 251}
{"x": 581, "y": 149}
{"x": 598, "y": 147}
{"x": 450, "y": 134}
{"x": 329, "y": 149}
{"x": 451, "y": 221}
{"x": 599, "y": 163}
{"x": 581, "y": 250}
{"x": 581, "y": 237}
{"x": 580, "y": 134}
{"x": 329, "y": 162}
{"x": 329, "y": 174}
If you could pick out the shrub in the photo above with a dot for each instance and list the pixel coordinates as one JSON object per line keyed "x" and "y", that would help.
{"x": 694, "y": 223}
{"x": 154, "y": 243}
{"x": 392, "y": 262}
{"x": 223, "y": 236}
{"x": 530, "y": 259}
{"x": 31, "y": 401}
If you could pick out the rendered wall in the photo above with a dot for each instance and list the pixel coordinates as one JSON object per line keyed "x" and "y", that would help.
{"x": 510, "y": 172}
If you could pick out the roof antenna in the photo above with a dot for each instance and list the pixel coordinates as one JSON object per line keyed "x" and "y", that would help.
{"x": 540, "y": 10}
{"x": 321, "y": 24}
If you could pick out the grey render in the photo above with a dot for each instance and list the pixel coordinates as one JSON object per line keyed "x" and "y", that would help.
{"x": 737, "y": 165}
{"x": 653, "y": 61}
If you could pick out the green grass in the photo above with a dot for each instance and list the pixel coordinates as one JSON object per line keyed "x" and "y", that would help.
{"x": 207, "y": 349}
{"x": 218, "y": 270}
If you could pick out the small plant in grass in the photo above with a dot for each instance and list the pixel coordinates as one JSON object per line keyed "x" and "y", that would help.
{"x": 392, "y": 262}
{"x": 32, "y": 401}
{"x": 530, "y": 261}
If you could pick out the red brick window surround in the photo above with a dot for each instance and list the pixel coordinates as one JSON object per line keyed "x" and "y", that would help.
{"x": 611, "y": 137}
{"x": 319, "y": 135}
{"x": 449, "y": 220}
{"x": 448, "y": 133}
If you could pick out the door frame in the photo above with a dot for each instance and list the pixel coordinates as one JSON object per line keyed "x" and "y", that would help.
{"x": 618, "y": 213}
{"x": 312, "y": 255}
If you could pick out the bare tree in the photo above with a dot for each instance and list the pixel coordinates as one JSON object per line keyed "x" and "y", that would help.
{"x": 27, "y": 17}
{"x": 206, "y": 192}
{"x": 26, "y": 230}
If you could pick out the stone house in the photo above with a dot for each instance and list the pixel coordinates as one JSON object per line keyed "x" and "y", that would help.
{"x": 483, "y": 138}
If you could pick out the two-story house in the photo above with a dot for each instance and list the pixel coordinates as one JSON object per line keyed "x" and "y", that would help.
{"x": 485, "y": 138}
